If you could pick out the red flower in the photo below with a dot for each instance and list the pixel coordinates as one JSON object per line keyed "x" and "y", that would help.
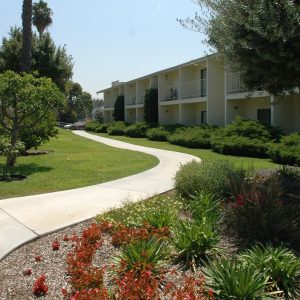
{"x": 55, "y": 246}
{"x": 40, "y": 288}
{"x": 27, "y": 272}
{"x": 38, "y": 258}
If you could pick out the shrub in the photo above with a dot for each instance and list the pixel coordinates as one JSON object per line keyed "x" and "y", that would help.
{"x": 280, "y": 265}
{"x": 157, "y": 134}
{"x": 220, "y": 178}
{"x": 91, "y": 125}
{"x": 230, "y": 279}
{"x": 244, "y": 138}
{"x": 192, "y": 137}
{"x": 287, "y": 151}
{"x": 102, "y": 128}
{"x": 289, "y": 178}
{"x": 40, "y": 288}
{"x": 116, "y": 128}
{"x": 162, "y": 217}
{"x": 261, "y": 215}
{"x": 119, "y": 109}
{"x": 239, "y": 146}
{"x": 137, "y": 130}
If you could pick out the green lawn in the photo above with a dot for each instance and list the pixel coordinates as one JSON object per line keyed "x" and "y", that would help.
{"x": 73, "y": 162}
{"x": 257, "y": 163}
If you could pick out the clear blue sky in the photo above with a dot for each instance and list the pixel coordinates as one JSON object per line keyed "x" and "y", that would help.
{"x": 117, "y": 39}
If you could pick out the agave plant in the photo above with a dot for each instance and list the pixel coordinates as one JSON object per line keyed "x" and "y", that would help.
{"x": 280, "y": 264}
{"x": 231, "y": 279}
{"x": 142, "y": 255}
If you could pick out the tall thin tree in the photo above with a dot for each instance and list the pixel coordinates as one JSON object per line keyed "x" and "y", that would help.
{"x": 41, "y": 16}
{"x": 26, "y": 55}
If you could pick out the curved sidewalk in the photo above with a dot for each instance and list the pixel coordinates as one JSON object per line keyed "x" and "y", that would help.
{"x": 25, "y": 218}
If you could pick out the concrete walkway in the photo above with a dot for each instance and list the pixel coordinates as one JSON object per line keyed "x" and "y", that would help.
{"x": 25, "y": 218}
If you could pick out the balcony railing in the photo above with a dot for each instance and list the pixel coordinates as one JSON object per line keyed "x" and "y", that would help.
{"x": 234, "y": 83}
{"x": 169, "y": 93}
{"x": 193, "y": 89}
{"x": 132, "y": 101}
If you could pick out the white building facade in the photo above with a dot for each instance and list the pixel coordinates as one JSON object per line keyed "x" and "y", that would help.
{"x": 201, "y": 91}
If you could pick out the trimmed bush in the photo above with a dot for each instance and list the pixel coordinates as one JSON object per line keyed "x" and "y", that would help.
{"x": 193, "y": 137}
{"x": 239, "y": 146}
{"x": 157, "y": 134}
{"x": 219, "y": 178}
{"x": 91, "y": 125}
{"x": 151, "y": 106}
{"x": 137, "y": 130}
{"x": 244, "y": 138}
{"x": 102, "y": 128}
{"x": 116, "y": 128}
{"x": 287, "y": 151}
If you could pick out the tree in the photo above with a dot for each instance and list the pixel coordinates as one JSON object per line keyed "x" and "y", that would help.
{"x": 259, "y": 38}
{"x": 41, "y": 16}
{"x": 26, "y": 55}
{"x": 25, "y": 102}
{"x": 119, "y": 107}
{"x": 48, "y": 60}
{"x": 151, "y": 106}
{"x": 79, "y": 103}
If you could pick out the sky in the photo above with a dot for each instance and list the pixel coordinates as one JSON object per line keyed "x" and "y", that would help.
{"x": 117, "y": 39}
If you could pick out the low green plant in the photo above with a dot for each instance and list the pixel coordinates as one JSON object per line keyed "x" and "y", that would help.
{"x": 230, "y": 279}
{"x": 162, "y": 217}
{"x": 116, "y": 128}
{"x": 220, "y": 178}
{"x": 281, "y": 266}
{"x": 134, "y": 214}
{"x": 195, "y": 240}
{"x": 137, "y": 130}
{"x": 143, "y": 254}
{"x": 157, "y": 134}
{"x": 205, "y": 208}
{"x": 287, "y": 151}
{"x": 289, "y": 178}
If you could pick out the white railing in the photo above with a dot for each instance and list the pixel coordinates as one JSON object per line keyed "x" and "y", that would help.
{"x": 132, "y": 101}
{"x": 169, "y": 93}
{"x": 234, "y": 83}
{"x": 140, "y": 99}
{"x": 193, "y": 89}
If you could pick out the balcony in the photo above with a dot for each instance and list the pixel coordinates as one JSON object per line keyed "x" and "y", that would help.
{"x": 132, "y": 101}
{"x": 234, "y": 83}
{"x": 194, "y": 89}
{"x": 169, "y": 93}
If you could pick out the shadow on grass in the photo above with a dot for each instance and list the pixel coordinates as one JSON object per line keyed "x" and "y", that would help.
{"x": 29, "y": 169}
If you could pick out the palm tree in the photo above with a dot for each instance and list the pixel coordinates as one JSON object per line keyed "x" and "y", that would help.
{"x": 41, "y": 17}
{"x": 26, "y": 55}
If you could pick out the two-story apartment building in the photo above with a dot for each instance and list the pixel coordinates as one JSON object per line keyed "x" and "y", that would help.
{"x": 201, "y": 91}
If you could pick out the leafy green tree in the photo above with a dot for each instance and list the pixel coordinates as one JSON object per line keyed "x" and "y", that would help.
{"x": 41, "y": 16}
{"x": 259, "y": 38}
{"x": 79, "y": 103}
{"x": 26, "y": 101}
{"x": 48, "y": 60}
{"x": 26, "y": 54}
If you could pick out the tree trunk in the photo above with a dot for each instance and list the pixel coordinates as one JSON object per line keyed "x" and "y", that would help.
{"x": 12, "y": 157}
{"x": 26, "y": 54}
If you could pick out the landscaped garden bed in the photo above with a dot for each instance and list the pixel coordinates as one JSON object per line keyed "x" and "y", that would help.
{"x": 235, "y": 236}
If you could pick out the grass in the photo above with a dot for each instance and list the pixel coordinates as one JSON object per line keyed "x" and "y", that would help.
{"x": 73, "y": 162}
{"x": 205, "y": 154}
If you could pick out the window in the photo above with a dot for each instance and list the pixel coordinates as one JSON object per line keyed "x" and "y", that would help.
{"x": 203, "y": 117}
{"x": 264, "y": 116}
{"x": 203, "y": 76}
